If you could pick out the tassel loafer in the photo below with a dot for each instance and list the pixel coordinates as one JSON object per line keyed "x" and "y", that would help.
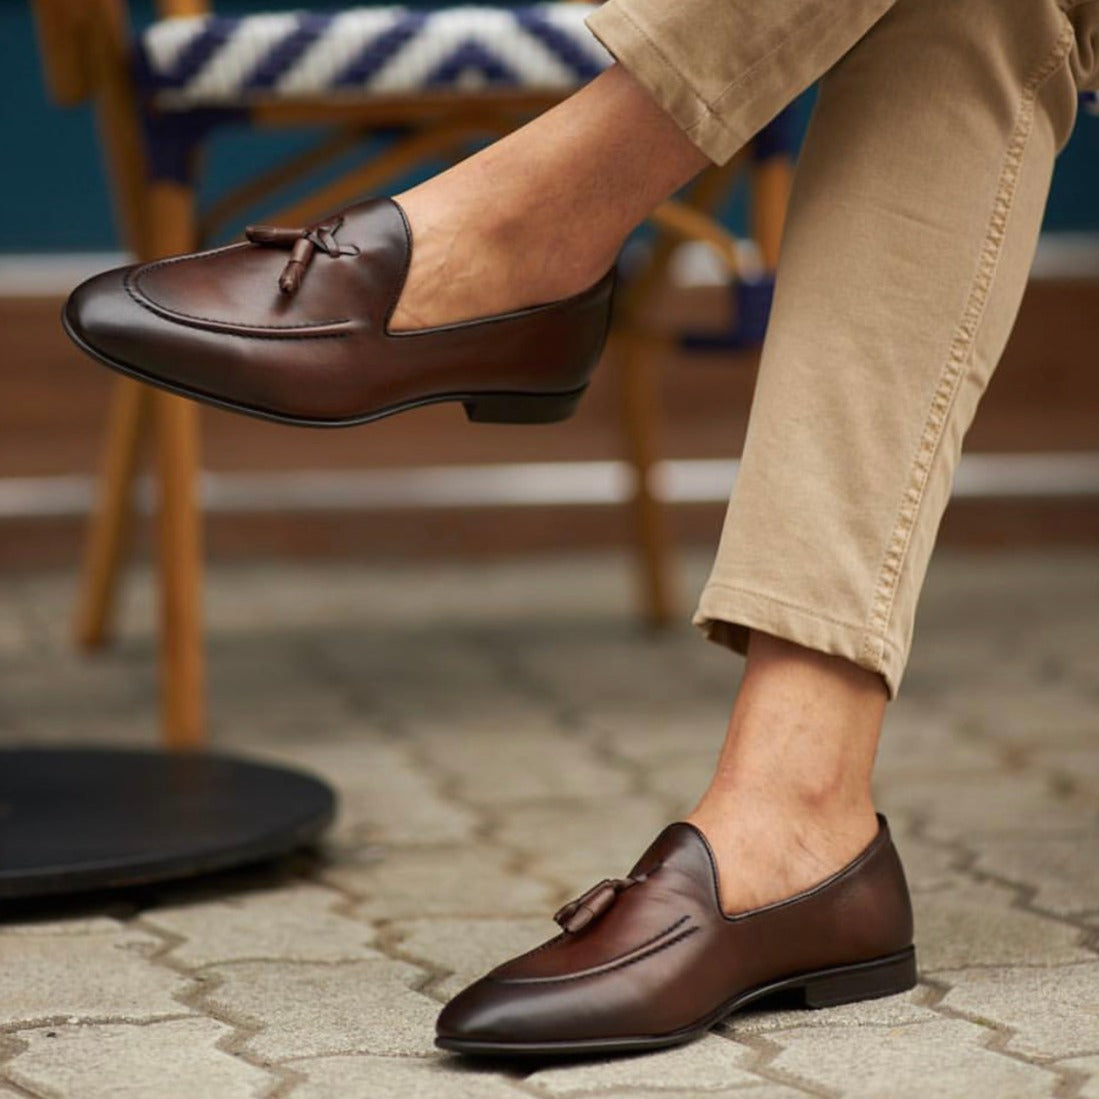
{"x": 293, "y": 325}
{"x": 651, "y": 960}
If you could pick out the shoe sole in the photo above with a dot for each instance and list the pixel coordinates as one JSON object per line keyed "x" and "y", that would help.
{"x": 844, "y": 984}
{"x": 488, "y": 408}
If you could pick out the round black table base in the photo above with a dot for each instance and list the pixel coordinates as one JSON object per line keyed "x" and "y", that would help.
{"x": 74, "y": 820}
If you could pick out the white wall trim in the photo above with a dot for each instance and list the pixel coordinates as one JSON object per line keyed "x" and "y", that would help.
{"x": 1066, "y": 256}
{"x": 36, "y": 275}
{"x": 46, "y": 275}
{"x": 532, "y": 484}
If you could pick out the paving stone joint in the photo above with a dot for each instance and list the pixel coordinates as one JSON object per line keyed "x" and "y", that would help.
{"x": 461, "y": 739}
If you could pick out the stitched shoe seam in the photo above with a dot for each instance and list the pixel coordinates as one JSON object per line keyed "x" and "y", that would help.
{"x": 139, "y": 295}
{"x": 600, "y": 971}
{"x": 640, "y": 946}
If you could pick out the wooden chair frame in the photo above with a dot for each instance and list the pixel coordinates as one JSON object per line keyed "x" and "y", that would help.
{"x": 85, "y": 48}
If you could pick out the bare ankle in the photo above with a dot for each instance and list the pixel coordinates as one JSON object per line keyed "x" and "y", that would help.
{"x": 790, "y": 801}
{"x": 784, "y": 811}
{"x": 471, "y": 263}
{"x": 769, "y": 852}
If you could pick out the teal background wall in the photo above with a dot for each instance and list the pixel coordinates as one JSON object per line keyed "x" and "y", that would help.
{"x": 53, "y": 198}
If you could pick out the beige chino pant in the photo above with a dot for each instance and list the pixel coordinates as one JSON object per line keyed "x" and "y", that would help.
{"x": 915, "y": 214}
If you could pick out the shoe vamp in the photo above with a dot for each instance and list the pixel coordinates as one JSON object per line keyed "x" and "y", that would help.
{"x": 663, "y": 927}
{"x": 237, "y": 287}
{"x": 636, "y": 926}
{"x": 630, "y": 974}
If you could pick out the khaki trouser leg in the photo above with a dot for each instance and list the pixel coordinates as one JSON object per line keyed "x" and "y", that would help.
{"x": 915, "y": 214}
{"x": 724, "y": 68}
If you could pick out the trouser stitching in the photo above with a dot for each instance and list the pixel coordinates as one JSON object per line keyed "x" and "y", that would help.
{"x": 803, "y": 31}
{"x": 788, "y": 604}
{"x": 958, "y": 358}
{"x": 705, "y": 111}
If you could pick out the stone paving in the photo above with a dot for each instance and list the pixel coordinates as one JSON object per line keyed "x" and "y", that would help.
{"x": 502, "y": 736}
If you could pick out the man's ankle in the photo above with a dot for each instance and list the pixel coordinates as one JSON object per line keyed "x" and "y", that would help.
{"x": 769, "y": 852}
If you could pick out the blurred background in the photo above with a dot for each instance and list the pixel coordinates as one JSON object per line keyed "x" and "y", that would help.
{"x": 56, "y": 226}
{"x": 447, "y": 621}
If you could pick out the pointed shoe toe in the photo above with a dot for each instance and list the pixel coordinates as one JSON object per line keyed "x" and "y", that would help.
{"x": 484, "y": 1013}
{"x": 97, "y": 316}
{"x": 292, "y": 326}
{"x": 651, "y": 960}
{"x": 494, "y": 1016}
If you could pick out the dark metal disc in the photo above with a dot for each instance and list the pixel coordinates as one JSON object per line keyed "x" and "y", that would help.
{"x": 74, "y": 820}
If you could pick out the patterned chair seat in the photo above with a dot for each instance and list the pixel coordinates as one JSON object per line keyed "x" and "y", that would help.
{"x": 217, "y": 61}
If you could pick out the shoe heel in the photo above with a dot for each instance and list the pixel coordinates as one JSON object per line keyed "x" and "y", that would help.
{"x": 863, "y": 981}
{"x": 523, "y": 408}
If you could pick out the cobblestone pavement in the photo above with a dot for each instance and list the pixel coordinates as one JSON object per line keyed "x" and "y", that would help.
{"x": 502, "y": 736}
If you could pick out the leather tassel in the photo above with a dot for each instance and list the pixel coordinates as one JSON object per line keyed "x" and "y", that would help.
{"x": 291, "y": 277}
{"x": 302, "y": 243}
{"x": 272, "y": 234}
{"x": 294, "y": 271}
{"x": 577, "y": 914}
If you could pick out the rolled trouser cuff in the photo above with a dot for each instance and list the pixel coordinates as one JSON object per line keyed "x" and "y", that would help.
{"x": 723, "y": 70}
{"x": 726, "y": 615}
{"x": 632, "y": 48}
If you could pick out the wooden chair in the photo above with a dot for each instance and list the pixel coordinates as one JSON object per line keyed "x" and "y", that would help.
{"x": 87, "y": 50}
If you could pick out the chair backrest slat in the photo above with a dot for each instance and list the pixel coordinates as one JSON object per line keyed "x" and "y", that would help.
{"x": 167, "y": 9}
{"x": 64, "y": 60}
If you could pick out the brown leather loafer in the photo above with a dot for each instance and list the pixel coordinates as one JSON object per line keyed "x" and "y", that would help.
{"x": 293, "y": 326}
{"x": 651, "y": 960}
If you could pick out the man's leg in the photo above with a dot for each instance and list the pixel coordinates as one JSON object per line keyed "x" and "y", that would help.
{"x": 914, "y": 221}
{"x": 915, "y": 214}
{"x": 541, "y": 214}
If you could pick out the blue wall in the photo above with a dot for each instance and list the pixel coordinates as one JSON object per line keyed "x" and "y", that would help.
{"x": 52, "y": 196}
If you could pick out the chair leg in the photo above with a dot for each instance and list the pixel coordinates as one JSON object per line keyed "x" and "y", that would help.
{"x": 121, "y": 136}
{"x": 183, "y": 697}
{"x": 110, "y": 524}
{"x": 638, "y": 358}
{"x": 637, "y": 370}
{"x": 771, "y": 183}
{"x": 171, "y": 229}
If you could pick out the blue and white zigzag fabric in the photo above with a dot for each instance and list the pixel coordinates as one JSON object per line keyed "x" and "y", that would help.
{"x": 219, "y": 61}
